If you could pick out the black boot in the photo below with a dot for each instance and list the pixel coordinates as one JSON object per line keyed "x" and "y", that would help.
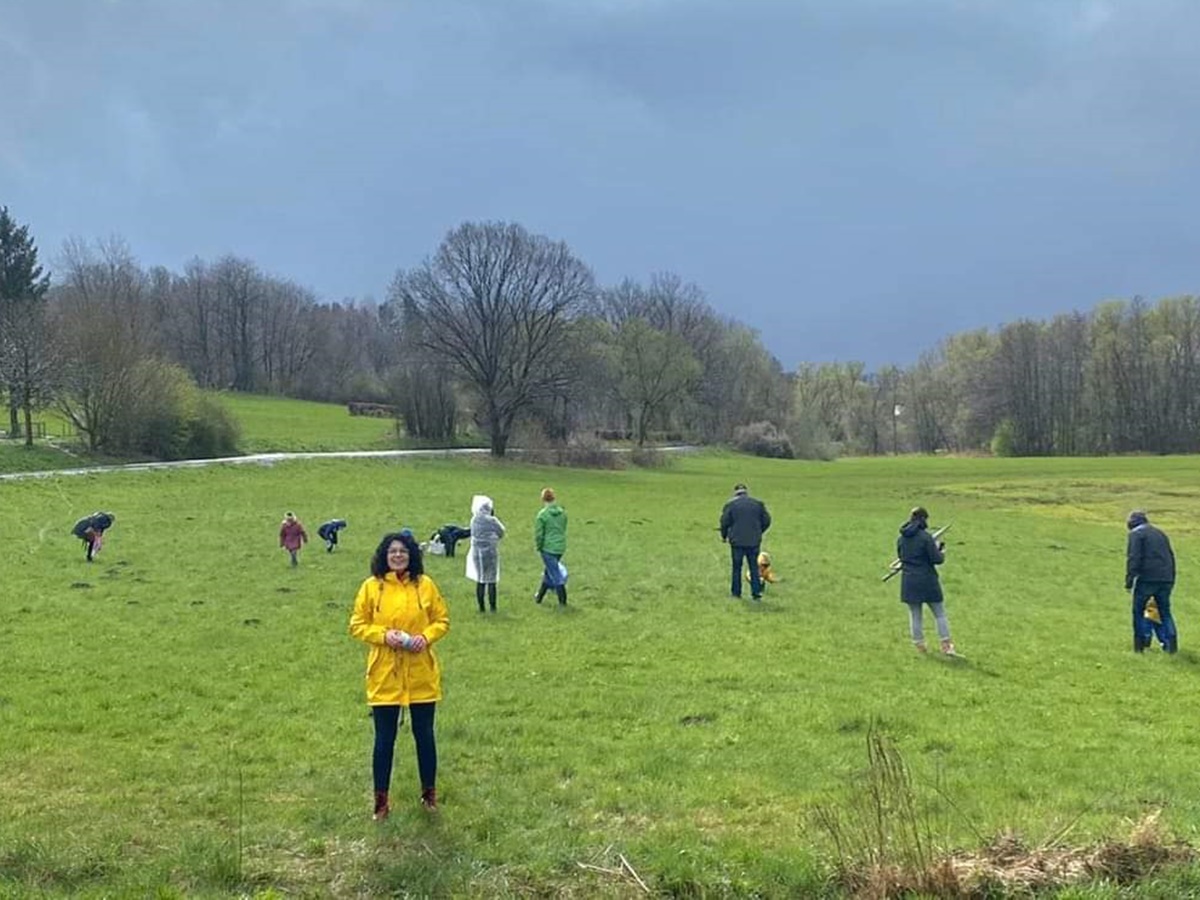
{"x": 562, "y": 594}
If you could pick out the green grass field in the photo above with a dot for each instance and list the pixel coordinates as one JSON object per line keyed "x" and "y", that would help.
{"x": 282, "y": 424}
{"x": 267, "y": 424}
{"x": 185, "y": 716}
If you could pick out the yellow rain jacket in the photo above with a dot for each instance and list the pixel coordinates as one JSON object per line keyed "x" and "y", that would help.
{"x": 400, "y": 677}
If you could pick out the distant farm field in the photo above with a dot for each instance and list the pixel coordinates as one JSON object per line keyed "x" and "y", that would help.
{"x": 185, "y": 716}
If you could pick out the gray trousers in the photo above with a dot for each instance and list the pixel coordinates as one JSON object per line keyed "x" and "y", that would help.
{"x": 917, "y": 625}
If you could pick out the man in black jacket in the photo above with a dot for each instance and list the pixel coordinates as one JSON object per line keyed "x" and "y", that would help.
{"x": 1150, "y": 573}
{"x": 743, "y": 521}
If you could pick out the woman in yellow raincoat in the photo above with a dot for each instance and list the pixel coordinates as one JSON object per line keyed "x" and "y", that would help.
{"x": 400, "y": 613}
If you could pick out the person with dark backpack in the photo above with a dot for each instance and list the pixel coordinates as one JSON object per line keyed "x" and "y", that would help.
{"x": 90, "y": 529}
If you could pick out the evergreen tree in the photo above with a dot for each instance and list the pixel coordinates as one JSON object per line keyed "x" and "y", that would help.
{"x": 23, "y": 335}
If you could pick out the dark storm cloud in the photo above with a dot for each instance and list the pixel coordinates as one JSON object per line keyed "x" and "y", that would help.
{"x": 855, "y": 180}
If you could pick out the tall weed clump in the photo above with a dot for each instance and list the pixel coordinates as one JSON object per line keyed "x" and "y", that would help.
{"x": 883, "y": 834}
{"x": 889, "y": 843}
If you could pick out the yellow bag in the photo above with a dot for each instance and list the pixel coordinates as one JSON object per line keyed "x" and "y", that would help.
{"x": 1151, "y": 612}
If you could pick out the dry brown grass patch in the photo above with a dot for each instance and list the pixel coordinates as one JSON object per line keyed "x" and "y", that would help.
{"x": 1009, "y": 868}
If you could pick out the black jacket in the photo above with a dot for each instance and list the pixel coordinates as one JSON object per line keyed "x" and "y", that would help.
{"x": 1149, "y": 556}
{"x": 918, "y": 553}
{"x": 743, "y": 521}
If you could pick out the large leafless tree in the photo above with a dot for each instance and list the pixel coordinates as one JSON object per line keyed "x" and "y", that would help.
{"x": 105, "y": 325}
{"x": 496, "y": 303}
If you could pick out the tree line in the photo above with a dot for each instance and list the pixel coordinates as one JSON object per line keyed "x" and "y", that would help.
{"x": 1120, "y": 379}
{"x": 508, "y": 334}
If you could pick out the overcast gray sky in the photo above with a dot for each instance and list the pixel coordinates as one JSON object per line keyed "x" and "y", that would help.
{"x": 853, "y": 178}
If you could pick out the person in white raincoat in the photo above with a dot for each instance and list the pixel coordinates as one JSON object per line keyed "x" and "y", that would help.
{"x": 483, "y": 560}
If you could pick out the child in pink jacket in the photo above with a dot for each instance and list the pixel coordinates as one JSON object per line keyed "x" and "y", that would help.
{"x": 292, "y": 536}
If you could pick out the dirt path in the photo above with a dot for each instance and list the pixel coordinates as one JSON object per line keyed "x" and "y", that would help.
{"x": 267, "y": 459}
{"x": 264, "y": 459}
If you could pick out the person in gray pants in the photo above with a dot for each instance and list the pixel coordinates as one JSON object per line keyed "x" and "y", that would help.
{"x": 919, "y": 554}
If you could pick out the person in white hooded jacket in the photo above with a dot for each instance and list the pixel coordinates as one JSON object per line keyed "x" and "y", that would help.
{"x": 483, "y": 561}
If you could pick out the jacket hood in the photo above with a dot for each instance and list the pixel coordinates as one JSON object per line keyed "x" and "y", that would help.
{"x": 553, "y": 509}
{"x": 912, "y": 526}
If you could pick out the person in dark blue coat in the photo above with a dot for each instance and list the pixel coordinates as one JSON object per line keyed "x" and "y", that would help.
{"x": 328, "y": 532}
{"x": 1150, "y": 573}
{"x": 919, "y": 554}
{"x": 90, "y": 529}
{"x": 743, "y": 521}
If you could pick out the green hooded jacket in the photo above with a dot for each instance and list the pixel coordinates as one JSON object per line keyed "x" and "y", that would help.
{"x": 550, "y": 529}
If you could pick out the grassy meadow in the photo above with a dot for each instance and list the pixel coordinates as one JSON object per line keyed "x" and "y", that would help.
{"x": 283, "y": 424}
{"x": 185, "y": 716}
{"x": 266, "y": 424}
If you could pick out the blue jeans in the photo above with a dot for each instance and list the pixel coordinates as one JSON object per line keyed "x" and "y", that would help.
{"x": 552, "y": 574}
{"x": 750, "y": 555}
{"x": 1143, "y": 627}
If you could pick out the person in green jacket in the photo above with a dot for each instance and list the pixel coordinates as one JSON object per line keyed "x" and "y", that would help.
{"x": 550, "y": 538}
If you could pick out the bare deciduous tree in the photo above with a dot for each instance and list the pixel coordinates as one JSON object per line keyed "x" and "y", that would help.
{"x": 420, "y": 385}
{"x": 238, "y": 288}
{"x": 103, "y": 325}
{"x": 655, "y": 370}
{"x": 495, "y": 303}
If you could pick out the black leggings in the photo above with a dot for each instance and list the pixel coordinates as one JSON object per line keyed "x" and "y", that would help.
{"x": 387, "y": 723}
{"x": 491, "y": 595}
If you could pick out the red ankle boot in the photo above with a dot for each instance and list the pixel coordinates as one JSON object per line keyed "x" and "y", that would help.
{"x": 381, "y": 806}
{"x": 429, "y": 799}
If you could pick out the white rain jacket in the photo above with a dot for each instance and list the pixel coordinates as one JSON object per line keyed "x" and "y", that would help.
{"x": 483, "y": 559}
